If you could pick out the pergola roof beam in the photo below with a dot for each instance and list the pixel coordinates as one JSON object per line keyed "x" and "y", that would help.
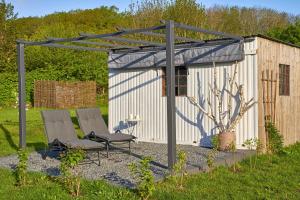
{"x": 192, "y": 28}
{"x": 127, "y": 40}
{"x": 120, "y": 33}
{"x": 97, "y": 43}
{"x": 176, "y": 37}
{"x": 164, "y": 36}
{"x": 92, "y": 36}
{"x": 35, "y": 43}
{"x": 75, "y": 47}
{"x": 105, "y": 44}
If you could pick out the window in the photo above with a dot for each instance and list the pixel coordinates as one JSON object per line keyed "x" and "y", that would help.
{"x": 284, "y": 80}
{"x": 180, "y": 81}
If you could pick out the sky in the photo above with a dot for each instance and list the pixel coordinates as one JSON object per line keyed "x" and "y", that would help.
{"x": 26, "y": 8}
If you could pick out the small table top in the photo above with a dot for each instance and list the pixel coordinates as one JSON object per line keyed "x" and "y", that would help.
{"x": 132, "y": 120}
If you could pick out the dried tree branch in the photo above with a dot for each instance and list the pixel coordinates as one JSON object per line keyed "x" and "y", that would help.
{"x": 235, "y": 90}
{"x": 231, "y": 81}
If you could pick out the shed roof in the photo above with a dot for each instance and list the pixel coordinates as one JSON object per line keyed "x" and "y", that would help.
{"x": 272, "y": 39}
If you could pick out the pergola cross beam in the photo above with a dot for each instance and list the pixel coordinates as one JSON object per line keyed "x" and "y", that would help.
{"x": 126, "y": 40}
{"x": 216, "y": 33}
{"x": 74, "y": 47}
{"x": 164, "y": 35}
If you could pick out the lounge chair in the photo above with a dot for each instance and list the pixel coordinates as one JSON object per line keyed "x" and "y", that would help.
{"x": 93, "y": 126}
{"x": 61, "y": 133}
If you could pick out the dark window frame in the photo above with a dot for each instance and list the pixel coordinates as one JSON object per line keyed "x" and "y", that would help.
{"x": 181, "y": 75}
{"x": 284, "y": 80}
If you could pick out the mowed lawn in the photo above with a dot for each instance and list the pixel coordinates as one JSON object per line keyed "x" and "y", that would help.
{"x": 35, "y": 138}
{"x": 274, "y": 177}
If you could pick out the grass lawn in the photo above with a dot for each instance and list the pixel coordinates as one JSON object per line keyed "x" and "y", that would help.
{"x": 35, "y": 138}
{"x": 275, "y": 177}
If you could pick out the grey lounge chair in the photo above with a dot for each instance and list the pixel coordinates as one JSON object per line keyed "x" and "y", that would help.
{"x": 61, "y": 133}
{"x": 92, "y": 124}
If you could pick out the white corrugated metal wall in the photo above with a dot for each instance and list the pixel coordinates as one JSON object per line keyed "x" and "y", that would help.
{"x": 139, "y": 92}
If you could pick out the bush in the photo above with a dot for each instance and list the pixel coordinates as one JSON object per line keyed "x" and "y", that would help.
{"x": 275, "y": 143}
{"x": 144, "y": 176}
{"x": 8, "y": 88}
{"x": 21, "y": 170}
{"x": 69, "y": 170}
{"x": 9, "y": 85}
{"x": 9, "y": 82}
{"x": 213, "y": 153}
{"x": 179, "y": 168}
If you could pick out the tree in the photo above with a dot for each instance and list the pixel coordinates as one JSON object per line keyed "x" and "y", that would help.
{"x": 290, "y": 34}
{"x": 222, "y": 115}
{"x": 7, "y": 37}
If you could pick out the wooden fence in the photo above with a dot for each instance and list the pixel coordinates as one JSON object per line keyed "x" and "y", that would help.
{"x": 62, "y": 94}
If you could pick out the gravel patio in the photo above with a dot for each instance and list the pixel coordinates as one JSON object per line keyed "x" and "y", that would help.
{"x": 115, "y": 168}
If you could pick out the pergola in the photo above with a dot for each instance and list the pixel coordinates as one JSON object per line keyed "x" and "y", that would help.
{"x": 84, "y": 38}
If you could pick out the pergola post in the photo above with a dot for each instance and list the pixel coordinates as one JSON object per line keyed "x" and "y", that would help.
{"x": 22, "y": 95}
{"x": 170, "y": 76}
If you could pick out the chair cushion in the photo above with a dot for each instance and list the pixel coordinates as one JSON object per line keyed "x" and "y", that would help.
{"x": 90, "y": 119}
{"x": 58, "y": 125}
{"x": 116, "y": 137}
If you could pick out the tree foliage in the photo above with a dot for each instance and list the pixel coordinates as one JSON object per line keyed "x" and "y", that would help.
{"x": 7, "y": 36}
{"x": 80, "y": 65}
{"x": 290, "y": 34}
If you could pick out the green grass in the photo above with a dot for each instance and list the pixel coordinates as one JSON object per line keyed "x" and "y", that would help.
{"x": 42, "y": 187}
{"x": 35, "y": 138}
{"x": 275, "y": 177}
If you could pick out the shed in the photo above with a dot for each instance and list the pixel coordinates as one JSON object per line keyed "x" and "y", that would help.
{"x": 137, "y": 88}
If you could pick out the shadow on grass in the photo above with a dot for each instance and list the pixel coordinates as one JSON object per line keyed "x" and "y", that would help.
{"x": 37, "y": 146}
{"x": 8, "y": 137}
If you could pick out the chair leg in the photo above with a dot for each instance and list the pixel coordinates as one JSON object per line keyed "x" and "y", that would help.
{"x": 44, "y": 156}
{"x": 99, "y": 162}
{"x": 129, "y": 148}
{"x": 107, "y": 149}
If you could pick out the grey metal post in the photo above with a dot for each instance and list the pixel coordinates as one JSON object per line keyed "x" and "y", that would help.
{"x": 170, "y": 76}
{"x": 22, "y": 95}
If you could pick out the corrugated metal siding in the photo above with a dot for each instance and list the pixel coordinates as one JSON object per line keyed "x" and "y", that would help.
{"x": 139, "y": 92}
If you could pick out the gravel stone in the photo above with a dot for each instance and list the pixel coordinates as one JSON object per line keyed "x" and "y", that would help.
{"x": 114, "y": 169}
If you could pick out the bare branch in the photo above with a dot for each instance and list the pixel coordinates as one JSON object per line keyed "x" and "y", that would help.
{"x": 209, "y": 115}
{"x": 231, "y": 84}
{"x": 216, "y": 113}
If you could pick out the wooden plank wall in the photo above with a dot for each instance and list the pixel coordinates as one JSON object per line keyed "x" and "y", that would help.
{"x": 270, "y": 55}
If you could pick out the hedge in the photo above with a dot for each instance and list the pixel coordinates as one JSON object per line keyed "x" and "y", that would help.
{"x": 9, "y": 84}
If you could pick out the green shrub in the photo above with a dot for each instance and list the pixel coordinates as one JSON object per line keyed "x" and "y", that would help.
{"x": 213, "y": 153}
{"x": 179, "y": 168}
{"x": 251, "y": 144}
{"x": 275, "y": 139}
{"x": 8, "y": 88}
{"x": 235, "y": 166}
{"x": 144, "y": 176}
{"x": 21, "y": 170}
{"x": 9, "y": 82}
{"x": 69, "y": 170}
{"x": 9, "y": 85}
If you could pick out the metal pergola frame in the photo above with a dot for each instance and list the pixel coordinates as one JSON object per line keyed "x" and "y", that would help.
{"x": 83, "y": 38}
